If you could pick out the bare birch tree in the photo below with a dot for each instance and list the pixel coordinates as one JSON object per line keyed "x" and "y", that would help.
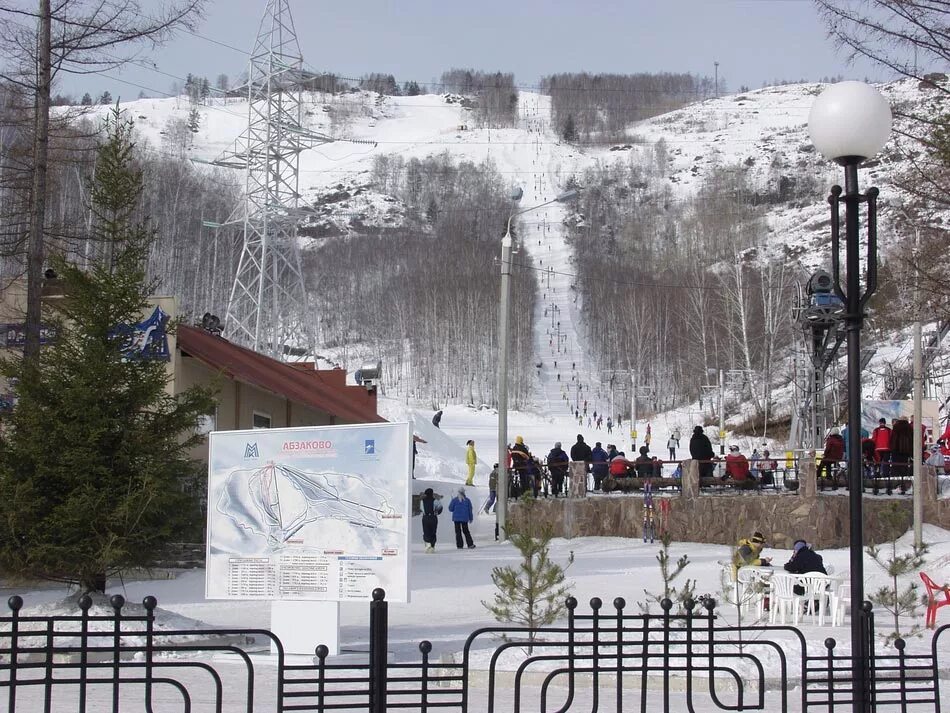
{"x": 50, "y": 38}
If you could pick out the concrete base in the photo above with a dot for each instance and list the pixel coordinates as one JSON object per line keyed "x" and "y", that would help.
{"x": 302, "y": 626}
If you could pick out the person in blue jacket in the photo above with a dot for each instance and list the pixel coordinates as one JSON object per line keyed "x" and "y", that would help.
{"x": 462, "y": 515}
{"x": 598, "y": 458}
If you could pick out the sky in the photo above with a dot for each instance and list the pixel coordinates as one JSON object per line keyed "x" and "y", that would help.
{"x": 755, "y": 42}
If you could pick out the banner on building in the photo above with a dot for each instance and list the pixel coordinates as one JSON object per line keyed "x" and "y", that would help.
{"x": 873, "y": 411}
{"x": 148, "y": 339}
{"x": 311, "y": 513}
{"x": 13, "y": 335}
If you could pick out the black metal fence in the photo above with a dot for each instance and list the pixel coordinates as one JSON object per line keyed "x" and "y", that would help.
{"x": 607, "y": 659}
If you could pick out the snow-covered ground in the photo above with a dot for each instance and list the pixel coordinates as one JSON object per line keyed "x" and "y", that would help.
{"x": 449, "y": 586}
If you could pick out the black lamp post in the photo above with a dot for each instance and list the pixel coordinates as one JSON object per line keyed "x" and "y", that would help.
{"x": 849, "y": 123}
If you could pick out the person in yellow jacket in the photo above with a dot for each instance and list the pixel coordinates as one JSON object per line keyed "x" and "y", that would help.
{"x": 749, "y": 553}
{"x": 470, "y": 459}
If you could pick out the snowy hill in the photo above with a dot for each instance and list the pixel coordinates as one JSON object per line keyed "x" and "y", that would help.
{"x": 764, "y": 132}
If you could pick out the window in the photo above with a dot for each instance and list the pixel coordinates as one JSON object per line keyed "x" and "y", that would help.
{"x": 260, "y": 420}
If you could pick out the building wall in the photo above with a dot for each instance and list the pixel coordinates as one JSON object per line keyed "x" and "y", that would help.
{"x": 238, "y": 402}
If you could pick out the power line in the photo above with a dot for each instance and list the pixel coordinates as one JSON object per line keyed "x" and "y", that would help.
{"x": 652, "y": 285}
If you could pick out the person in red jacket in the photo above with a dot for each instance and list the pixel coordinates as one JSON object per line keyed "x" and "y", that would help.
{"x": 737, "y": 465}
{"x": 619, "y": 466}
{"x": 834, "y": 453}
{"x": 882, "y": 445}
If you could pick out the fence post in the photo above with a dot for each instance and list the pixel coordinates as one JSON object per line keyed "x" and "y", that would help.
{"x": 15, "y": 603}
{"x": 666, "y": 605}
{"x": 85, "y": 603}
{"x": 378, "y": 650}
{"x": 830, "y": 644}
{"x": 425, "y": 647}
{"x": 619, "y": 604}
{"x": 322, "y": 651}
{"x": 690, "y": 479}
{"x": 900, "y": 644}
{"x": 149, "y": 603}
{"x": 117, "y": 601}
{"x": 867, "y": 654}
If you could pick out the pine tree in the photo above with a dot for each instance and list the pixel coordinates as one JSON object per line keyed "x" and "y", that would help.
{"x": 94, "y": 458}
{"x": 668, "y": 573}
{"x": 194, "y": 120}
{"x": 569, "y": 132}
{"x": 899, "y": 602}
{"x": 531, "y": 595}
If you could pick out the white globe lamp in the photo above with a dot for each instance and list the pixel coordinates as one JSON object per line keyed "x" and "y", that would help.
{"x": 849, "y": 122}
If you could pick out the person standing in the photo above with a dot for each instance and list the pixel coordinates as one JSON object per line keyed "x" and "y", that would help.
{"x": 462, "y": 515}
{"x": 470, "y": 460}
{"x": 520, "y": 455}
{"x": 437, "y": 418}
{"x": 557, "y": 467}
{"x": 598, "y": 459}
{"x": 672, "y": 444}
{"x": 882, "y": 444}
{"x": 431, "y": 508}
{"x": 846, "y": 433}
{"x": 492, "y": 489}
{"x": 701, "y": 449}
{"x": 832, "y": 455}
{"x": 902, "y": 448}
{"x": 580, "y": 451}
{"x": 415, "y": 451}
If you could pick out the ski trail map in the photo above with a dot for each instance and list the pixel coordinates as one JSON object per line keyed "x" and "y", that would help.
{"x": 312, "y": 513}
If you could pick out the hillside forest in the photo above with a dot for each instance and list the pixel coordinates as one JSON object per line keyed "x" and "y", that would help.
{"x": 677, "y": 286}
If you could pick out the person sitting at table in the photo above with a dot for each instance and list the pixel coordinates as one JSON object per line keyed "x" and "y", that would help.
{"x": 749, "y": 553}
{"x": 804, "y": 560}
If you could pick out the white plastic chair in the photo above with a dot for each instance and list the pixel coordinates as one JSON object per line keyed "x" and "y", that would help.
{"x": 750, "y": 590}
{"x": 783, "y": 598}
{"x": 818, "y": 588}
{"x": 840, "y": 602}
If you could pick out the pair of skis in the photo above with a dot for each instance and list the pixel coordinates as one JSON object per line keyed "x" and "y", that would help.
{"x": 649, "y": 522}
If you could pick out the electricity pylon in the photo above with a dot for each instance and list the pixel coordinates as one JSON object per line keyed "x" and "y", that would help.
{"x": 267, "y": 307}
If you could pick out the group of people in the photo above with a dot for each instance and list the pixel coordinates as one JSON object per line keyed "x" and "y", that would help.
{"x": 747, "y": 472}
{"x": 804, "y": 559}
{"x": 887, "y": 452}
{"x": 462, "y": 516}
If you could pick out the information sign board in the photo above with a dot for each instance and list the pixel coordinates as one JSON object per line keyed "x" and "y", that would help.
{"x": 312, "y": 513}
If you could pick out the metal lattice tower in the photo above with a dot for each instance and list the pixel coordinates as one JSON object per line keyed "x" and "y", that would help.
{"x": 268, "y": 302}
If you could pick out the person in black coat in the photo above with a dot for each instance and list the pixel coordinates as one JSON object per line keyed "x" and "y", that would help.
{"x": 557, "y": 467}
{"x": 430, "y": 518}
{"x": 701, "y": 449}
{"x": 580, "y": 451}
{"x": 804, "y": 560}
{"x": 644, "y": 463}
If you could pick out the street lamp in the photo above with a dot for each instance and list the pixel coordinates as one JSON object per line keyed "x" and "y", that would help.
{"x": 501, "y": 509}
{"x": 849, "y": 123}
